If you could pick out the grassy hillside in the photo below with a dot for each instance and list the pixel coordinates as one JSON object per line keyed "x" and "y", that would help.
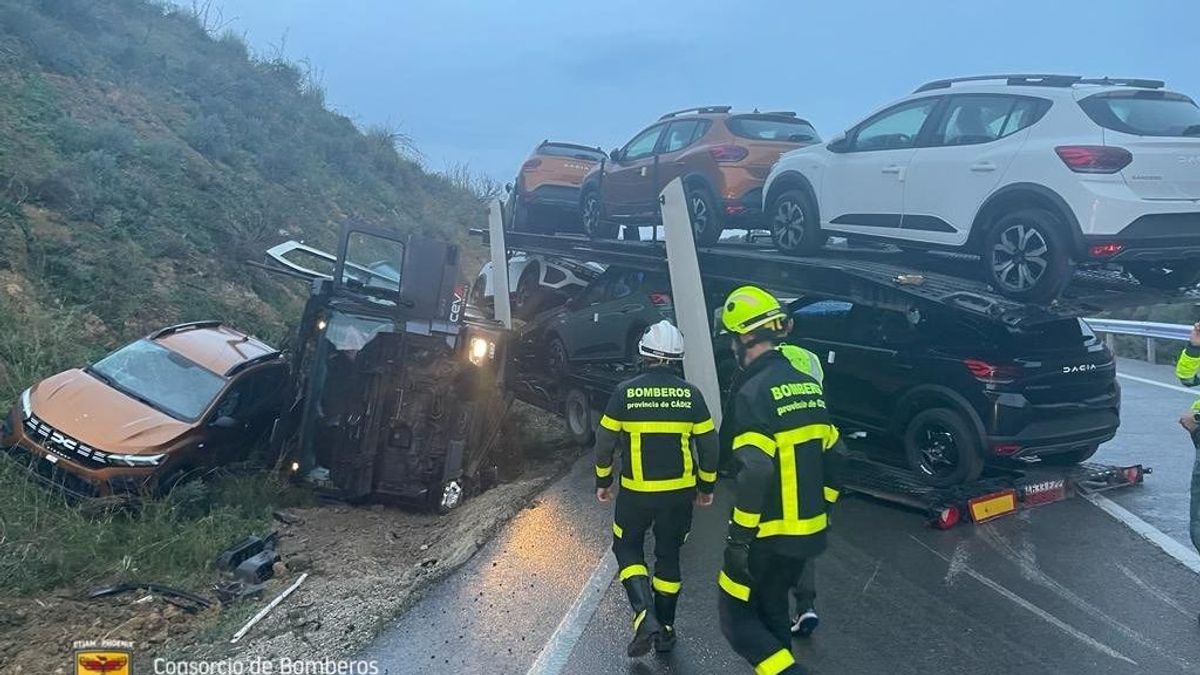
{"x": 142, "y": 161}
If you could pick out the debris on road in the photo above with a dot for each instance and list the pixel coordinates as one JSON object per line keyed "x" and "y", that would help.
{"x": 189, "y": 602}
{"x": 267, "y": 610}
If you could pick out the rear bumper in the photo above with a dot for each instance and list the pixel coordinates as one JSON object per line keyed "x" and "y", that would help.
{"x": 1062, "y": 435}
{"x": 745, "y": 211}
{"x": 553, "y": 196}
{"x": 1156, "y": 236}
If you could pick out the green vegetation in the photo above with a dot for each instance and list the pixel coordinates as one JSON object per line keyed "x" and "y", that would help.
{"x": 143, "y": 161}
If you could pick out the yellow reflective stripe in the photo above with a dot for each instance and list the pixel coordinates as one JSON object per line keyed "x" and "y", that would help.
{"x": 755, "y": 439}
{"x": 745, "y": 518}
{"x": 664, "y": 586}
{"x": 1196, "y": 405}
{"x": 832, "y": 438}
{"x": 704, "y": 427}
{"x": 739, "y": 591}
{"x": 685, "y": 446}
{"x": 657, "y": 427}
{"x": 609, "y": 423}
{"x": 638, "y": 570}
{"x": 658, "y": 485}
{"x": 775, "y": 663}
{"x": 1187, "y": 366}
{"x": 603, "y": 471}
{"x": 635, "y": 458}
{"x": 708, "y": 476}
{"x": 789, "y": 487}
{"x": 637, "y": 620}
{"x": 831, "y": 495}
{"x": 617, "y": 531}
{"x": 800, "y": 435}
{"x": 799, "y": 527}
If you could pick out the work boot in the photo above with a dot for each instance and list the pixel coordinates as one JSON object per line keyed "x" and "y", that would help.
{"x": 804, "y": 624}
{"x": 645, "y": 623}
{"x": 664, "y": 607}
{"x": 665, "y": 640}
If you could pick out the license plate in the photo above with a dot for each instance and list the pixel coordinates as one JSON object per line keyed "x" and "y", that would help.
{"x": 992, "y": 506}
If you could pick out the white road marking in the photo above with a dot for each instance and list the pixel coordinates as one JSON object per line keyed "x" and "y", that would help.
{"x": 1155, "y": 591}
{"x": 553, "y": 657}
{"x": 1162, "y": 385}
{"x": 873, "y": 575}
{"x": 1029, "y": 606}
{"x": 958, "y": 562}
{"x": 1168, "y": 544}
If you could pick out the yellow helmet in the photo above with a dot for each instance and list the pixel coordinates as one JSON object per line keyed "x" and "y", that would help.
{"x": 749, "y": 308}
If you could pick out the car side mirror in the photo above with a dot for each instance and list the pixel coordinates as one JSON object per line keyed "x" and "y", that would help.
{"x": 508, "y": 187}
{"x": 615, "y": 154}
{"x": 226, "y": 422}
{"x": 839, "y": 144}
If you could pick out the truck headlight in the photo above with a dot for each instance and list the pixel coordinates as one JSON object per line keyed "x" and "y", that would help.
{"x": 26, "y": 406}
{"x": 481, "y": 350}
{"x": 135, "y": 460}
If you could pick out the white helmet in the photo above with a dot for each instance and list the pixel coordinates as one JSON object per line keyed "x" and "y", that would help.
{"x": 662, "y": 341}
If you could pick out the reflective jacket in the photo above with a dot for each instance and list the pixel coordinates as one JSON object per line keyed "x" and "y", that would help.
{"x": 804, "y": 361}
{"x": 654, "y": 417}
{"x": 1187, "y": 370}
{"x": 785, "y": 443}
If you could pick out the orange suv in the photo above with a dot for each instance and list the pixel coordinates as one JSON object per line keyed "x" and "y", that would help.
{"x": 546, "y": 192}
{"x": 183, "y": 400}
{"x": 722, "y": 157}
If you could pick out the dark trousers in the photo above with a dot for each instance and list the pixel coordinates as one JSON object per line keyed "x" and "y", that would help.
{"x": 670, "y": 517}
{"x": 759, "y": 629}
{"x": 805, "y": 590}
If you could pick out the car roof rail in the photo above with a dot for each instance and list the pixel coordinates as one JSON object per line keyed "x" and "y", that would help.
{"x": 181, "y": 327}
{"x": 564, "y": 144}
{"x": 264, "y": 358}
{"x": 1042, "y": 80}
{"x": 774, "y": 113}
{"x": 701, "y": 110}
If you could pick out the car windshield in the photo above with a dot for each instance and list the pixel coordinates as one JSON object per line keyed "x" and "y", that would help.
{"x": 160, "y": 378}
{"x": 768, "y": 128}
{"x": 572, "y": 151}
{"x": 1144, "y": 113}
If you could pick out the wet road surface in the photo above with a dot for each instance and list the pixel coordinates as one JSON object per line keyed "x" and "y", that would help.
{"x": 1063, "y": 588}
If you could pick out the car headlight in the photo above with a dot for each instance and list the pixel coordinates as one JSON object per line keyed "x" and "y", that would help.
{"x": 135, "y": 460}
{"x": 26, "y": 406}
{"x": 481, "y": 350}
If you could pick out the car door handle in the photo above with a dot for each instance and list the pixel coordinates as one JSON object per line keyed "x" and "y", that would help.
{"x": 892, "y": 168}
{"x": 643, "y": 172}
{"x": 983, "y": 167}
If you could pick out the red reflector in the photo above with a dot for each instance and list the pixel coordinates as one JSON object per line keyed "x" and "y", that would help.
{"x": 660, "y": 299}
{"x": 1094, "y": 158}
{"x": 1006, "y": 449}
{"x": 728, "y": 153}
{"x": 531, "y": 165}
{"x": 1133, "y": 474}
{"x": 946, "y": 518}
{"x": 1106, "y": 250}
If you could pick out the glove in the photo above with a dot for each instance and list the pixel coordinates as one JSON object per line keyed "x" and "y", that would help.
{"x": 737, "y": 562}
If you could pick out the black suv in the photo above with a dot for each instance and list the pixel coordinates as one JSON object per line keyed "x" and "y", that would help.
{"x": 955, "y": 391}
{"x": 949, "y": 389}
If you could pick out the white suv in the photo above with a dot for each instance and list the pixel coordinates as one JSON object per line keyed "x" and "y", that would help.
{"x": 1034, "y": 173}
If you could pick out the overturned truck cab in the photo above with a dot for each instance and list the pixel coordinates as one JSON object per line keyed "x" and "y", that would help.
{"x": 399, "y": 395}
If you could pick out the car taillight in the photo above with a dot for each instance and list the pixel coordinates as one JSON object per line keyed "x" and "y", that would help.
{"x": 1005, "y": 449}
{"x": 728, "y": 153}
{"x": 1106, "y": 250}
{"x": 992, "y": 372}
{"x": 1094, "y": 158}
{"x": 531, "y": 165}
{"x": 660, "y": 299}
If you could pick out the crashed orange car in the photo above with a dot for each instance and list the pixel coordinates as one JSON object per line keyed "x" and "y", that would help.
{"x": 151, "y": 414}
{"x": 545, "y": 196}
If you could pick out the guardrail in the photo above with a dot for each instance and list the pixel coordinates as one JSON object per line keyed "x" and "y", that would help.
{"x": 1149, "y": 330}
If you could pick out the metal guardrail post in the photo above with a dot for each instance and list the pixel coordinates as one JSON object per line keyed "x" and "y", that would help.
{"x": 1151, "y": 350}
{"x": 1151, "y": 331}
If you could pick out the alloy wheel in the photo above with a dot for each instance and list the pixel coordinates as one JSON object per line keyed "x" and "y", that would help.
{"x": 700, "y": 214}
{"x": 591, "y": 215}
{"x": 938, "y": 449}
{"x": 789, "y": 224}
{"x": 1020, "y": 257}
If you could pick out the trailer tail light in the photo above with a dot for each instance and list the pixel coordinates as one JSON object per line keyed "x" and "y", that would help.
{"x": 1106, "y": 250}
{"x": 531, "y": 165}
{"x": 991, "y": 506}
{"x": 1133, "y": 474}
{"x": 1005, "y": 449}
{"x": 992, "y": 373}
{"x": 660, "y": 299}
{"x": 946, "y": 518}
{"x": 1094, "y": 158}
{"x": 728, "y": 153}
{"x": 734, "y": 209}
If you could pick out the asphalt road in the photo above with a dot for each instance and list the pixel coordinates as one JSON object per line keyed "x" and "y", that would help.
{"x": 1063, "y": 588}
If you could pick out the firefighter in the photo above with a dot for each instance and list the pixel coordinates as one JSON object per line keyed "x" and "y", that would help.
{"x": 655, "y": 417}
{"x": 787, "y": 451}
{"x": 1187, "y": 370}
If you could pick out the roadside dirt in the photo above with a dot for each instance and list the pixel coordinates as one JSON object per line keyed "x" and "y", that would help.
{"x": 365, "y": 564}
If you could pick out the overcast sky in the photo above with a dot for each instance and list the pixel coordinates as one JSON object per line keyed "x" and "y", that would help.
{"x": 483, "y": 81}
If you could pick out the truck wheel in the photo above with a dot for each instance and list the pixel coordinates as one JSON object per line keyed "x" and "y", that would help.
{"x": 558, "y": 359}
{"x": 706, "y": 220}
{"x": 1025, "y": 256}
{"x": 795, "y": 228}
{"x": 942, "y": 448}
{"x": 592, "y": 210}
{"x": 528, "y": 295}
{"x": 1070, "y": 457}
{"x": 1166, "y": 276}
{"x": 577, "y": 412}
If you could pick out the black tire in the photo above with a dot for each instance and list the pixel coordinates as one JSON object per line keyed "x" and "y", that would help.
{"x": 1071, "y": 456}
{"x": 558, "y": 360}
{"x": 528, "y": 297}
{"x": 1166, "y": 275}
{"x": 577, "y": 414}
{"x": 591, "y": 211}
{"x": 943, "y": 448}
{"x": 1026, "y": 256}
{"x": 706, "y": 219}
{"x": 795, "y": 227}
